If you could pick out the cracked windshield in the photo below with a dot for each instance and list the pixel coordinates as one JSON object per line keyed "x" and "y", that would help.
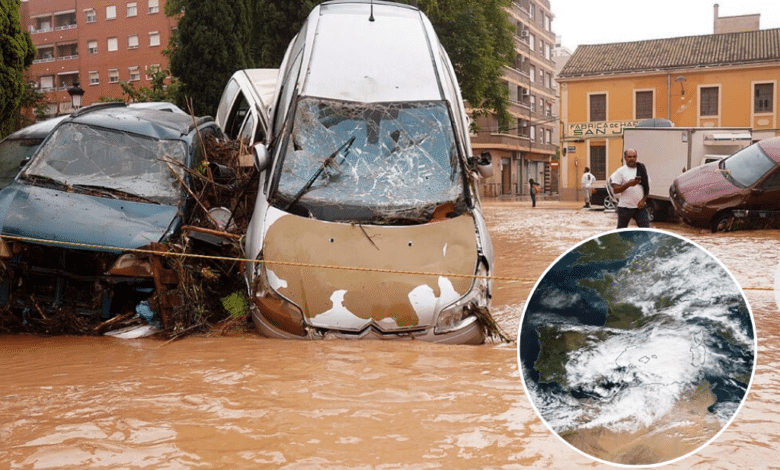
{"x": 387, "y": 156}
{"x": 101, "y": 159}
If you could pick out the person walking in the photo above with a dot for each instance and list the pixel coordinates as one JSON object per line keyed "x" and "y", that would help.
{"x": 534, "y": 188}
{"x": 587, "y": 186}
{"x": 633, "y": 185}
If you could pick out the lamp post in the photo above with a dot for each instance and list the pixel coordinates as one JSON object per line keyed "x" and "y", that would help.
{"x": 76, "y": 92}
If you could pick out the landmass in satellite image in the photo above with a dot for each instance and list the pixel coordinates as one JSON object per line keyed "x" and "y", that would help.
{"x": 637, "y": 347}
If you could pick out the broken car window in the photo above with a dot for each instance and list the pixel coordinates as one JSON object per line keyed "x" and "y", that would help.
{"x": 79, "y": 155}
{"x": 404, "y": 155}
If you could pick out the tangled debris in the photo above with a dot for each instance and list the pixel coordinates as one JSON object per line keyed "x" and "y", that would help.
{"x": 197, "y": 276}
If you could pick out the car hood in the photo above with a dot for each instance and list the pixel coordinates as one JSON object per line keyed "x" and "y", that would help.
{"x": 705, "y": 183}
{"x": 349, "y": 276}
{"x": 46, "y": 214}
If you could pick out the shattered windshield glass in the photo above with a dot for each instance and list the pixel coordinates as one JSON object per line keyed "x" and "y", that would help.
{"x": 383, "y": 156}
{"x": 80, "y": 155}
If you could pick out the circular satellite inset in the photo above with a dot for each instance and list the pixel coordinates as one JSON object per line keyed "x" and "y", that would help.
{"x": 637, "y": 347}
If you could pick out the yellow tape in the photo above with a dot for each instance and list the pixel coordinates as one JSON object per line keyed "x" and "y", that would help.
{"x": 256, "y": 261}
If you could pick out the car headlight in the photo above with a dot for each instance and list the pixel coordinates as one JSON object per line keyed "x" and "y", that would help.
{"x": 453, "y": 316}
{"x": 279, "y": 311}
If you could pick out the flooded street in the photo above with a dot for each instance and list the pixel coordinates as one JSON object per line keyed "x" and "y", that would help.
{"x": 251, "y": 402}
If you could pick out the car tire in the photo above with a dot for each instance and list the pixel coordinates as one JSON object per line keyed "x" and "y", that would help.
{"x": 722, "y": 222}
{"x": 609, "y": 203}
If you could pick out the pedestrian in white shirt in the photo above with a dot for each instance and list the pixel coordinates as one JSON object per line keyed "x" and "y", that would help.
{"x": 587, "y": 186}
{"x": 633, "y": 185}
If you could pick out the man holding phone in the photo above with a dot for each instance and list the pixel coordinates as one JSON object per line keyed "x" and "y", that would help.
{"x": 633, "y": 185}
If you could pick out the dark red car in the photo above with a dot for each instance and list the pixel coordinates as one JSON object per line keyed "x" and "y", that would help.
{"x": 744, "y": 184}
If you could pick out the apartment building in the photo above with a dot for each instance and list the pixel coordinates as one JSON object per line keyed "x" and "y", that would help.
{"x": 716, "y": 80}
{"x": 525, "y": 147}
{"x": 94, "y": 44}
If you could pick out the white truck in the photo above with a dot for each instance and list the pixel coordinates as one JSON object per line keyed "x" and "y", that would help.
{"x": 668, "y": 152}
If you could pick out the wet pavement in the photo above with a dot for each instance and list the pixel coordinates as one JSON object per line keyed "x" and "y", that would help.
{"x": 251, "y": 402}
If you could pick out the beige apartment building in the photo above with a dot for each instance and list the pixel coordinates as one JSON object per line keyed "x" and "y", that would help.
{"x": 95, "y": 44}
{"x": 526, "y": 147}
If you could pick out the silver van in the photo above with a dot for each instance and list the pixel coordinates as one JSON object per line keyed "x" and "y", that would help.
{"x": 367, "y": 222}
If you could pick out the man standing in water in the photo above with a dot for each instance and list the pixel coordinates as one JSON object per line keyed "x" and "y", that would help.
{"x": 633, "y": 185}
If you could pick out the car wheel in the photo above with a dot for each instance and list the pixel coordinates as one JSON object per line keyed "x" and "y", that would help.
{"x": 609, "y": 203}
{"x": 722, "y": 222}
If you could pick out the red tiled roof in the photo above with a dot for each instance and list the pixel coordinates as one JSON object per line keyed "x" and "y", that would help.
{"x": 685, "y": 52}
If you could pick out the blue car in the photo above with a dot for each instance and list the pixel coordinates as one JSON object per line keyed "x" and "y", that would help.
{"x": 109, "y": 178}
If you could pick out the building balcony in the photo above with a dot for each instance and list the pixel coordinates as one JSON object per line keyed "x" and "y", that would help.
{"x": 494, "y": 139}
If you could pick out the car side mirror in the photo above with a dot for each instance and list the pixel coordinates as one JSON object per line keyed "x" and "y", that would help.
{"x": 483, "y": 164}
{"x": 261, "y": 157}
{"x": 24, "y": 162}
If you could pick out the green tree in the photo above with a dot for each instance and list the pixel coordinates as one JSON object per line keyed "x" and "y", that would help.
{"x": 275, "y": 23}
{"x": 207, "y": 47}
{"x": 16, "y": 54}
{"x": 158, "y": 92}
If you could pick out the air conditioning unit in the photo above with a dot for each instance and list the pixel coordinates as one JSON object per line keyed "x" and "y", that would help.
{"x": 524, "y": 33}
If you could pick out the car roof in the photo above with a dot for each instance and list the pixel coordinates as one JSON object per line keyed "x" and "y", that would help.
{"x": 371, "y": 63}
{"x": 771, "y": 147}
{"x": 38, "y": 130}
{"x": 156, "y": 123}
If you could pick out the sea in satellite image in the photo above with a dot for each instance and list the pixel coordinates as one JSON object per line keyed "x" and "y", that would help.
{"x": 637, "y": 347}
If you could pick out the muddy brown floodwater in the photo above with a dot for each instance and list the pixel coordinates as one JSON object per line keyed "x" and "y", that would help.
{"x": 250, "y": 402}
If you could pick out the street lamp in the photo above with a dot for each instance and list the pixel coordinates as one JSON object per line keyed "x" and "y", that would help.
{"x": 75, "y": 92}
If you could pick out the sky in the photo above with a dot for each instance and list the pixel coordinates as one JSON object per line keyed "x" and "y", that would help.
{"x": 605, "y": 21}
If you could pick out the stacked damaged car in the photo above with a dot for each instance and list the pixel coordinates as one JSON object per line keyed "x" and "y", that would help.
{"x": 367, "y": 222}
{"x": 83, "y": 222}
{"x": 355, "y": 214}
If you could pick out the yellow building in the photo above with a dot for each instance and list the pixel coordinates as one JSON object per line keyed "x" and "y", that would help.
{"x": 717, "y": 80}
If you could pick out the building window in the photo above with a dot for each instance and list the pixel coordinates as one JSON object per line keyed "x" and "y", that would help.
{"x": 132, "y": 9}
{"x": 154, "y": 38}
{"x": 132, "y": 41}
{"x": 598, "y": 161}
{"x": 598, "y": 108}
{"x": 47, "y": 83}
{"x": 531, "y": 41}
{"x": 112, "y": 44}
{"x": 547, "y": 52}
{"x": 532, "y": 72}
{"x": 94, "y": 78}
{"x": 547, "y": 136}
{"x": 91, "y": 15}
{"x": 709, "y": 101}
{"x": 763, "y": 97}
{"x": 547, "y": 21}
{"x": 113, "y": 76}
{"x": 92, "y": 47}
{"x": 532, "y": 103}
{"x": 135, "y": 75}
{"x": 531, "y": 8}
{"x": 644, "y": 104}
{"x": 154, "y": 6}
{"x": 532, "y": 133}
{"x": 110, "y": 12}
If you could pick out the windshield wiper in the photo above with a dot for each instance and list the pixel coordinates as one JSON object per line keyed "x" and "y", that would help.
{"x": 325, "y": 163}
{"x": 113, "y": 193}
